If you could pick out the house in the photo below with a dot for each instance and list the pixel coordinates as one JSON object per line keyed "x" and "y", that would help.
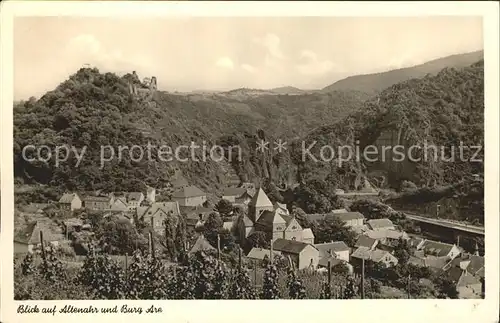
{"x": 98, "y": 202}
{"x": 375, "y": 255}
{"x": 303, "y": 255}
{"x": 28, "y": 239}
{"x": 281, "y": 208}
{"x": 308, "y": 236}
{"x": 366, "y": 242}
{"x": 244, "y": 198}
{"x": 467, "y": 285}
{"x": 272, "y": 219}
{"x": 196, "y": 216}
{"x": 70, "y": 202}
{"x": 155, "y": 214}
{"x": 380, "y": 224}
{"x": 134, "y": 200}
{"x": 337, "y": 250}
{"x": 259, "y": 254}
{"x": 472, "y": 264}
{"x": 416, "y": 243}
{"x": 387, "y": 237}
{"x": 231, "y": 194}
{"x": 435, "y": 263}
{"x": 201, "y": 244}
{"x": 35, "y": 208}
{"x": 189, "y": 196}
{"x": 439, "y": 249}
{"x": 351, "y": 219}
{"x": 120, "y": 204}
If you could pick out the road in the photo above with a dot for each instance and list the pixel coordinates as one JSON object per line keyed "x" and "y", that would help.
{"x": 446, "y": 223}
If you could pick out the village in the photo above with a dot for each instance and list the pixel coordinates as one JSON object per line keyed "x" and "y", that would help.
{"x": 264, "y": 230}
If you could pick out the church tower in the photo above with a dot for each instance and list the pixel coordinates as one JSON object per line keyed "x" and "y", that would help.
{"x": 259, "y": 203}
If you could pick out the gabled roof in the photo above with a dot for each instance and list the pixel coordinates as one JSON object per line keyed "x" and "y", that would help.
{"x": 268, "y": 218}
{"x": 189, "y": 191}
{"x": 468, "y": 280}
{"x": 290, "y": 246}
{"x": 201, "y": 244}
{"x": 349, "y": 216}
{"x": 386, "y": 234}
{"x": 260, "y": 199}
{"x": 167, "y": 207}
{"x": 135, "y": 196}
{"x": 261, "y": 253}
{"x": 323, "y": 261}
{"x": 246, "y": 221}
{"x": 438, "y": 249}
{"x": 31, "y": 233}
{"x": 67, "y": 198}
{"x": 380, "y": 223}
{"x": 375, "y": 255}
{"x": 234, "y": 191}
{"x": 97, "y": 198}
{"x": 365, "y": 241}
{"x": 325, "y": 248}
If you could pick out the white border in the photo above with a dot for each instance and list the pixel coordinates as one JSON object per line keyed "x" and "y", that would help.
{"x": 262, "y": 311}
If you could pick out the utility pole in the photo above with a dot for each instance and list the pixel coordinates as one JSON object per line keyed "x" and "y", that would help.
{"x": 218, "y": 247}
{"x": 271, "y": 252}
{"x": 239, "y": 260}
{"x": 329, "y": 276}
{"x": 408, "y": 286}
{"x": 362, "y": 278}
{"x": 42, "y": 245}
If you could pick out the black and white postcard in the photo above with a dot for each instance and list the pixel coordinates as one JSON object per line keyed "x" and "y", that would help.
{"x": 158, "y": 152}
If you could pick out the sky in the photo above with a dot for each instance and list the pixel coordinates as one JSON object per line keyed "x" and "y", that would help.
{"x": 206, "y": 53}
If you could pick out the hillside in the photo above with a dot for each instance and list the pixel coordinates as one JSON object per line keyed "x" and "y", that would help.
{"x": 94, "y": 110}
{"x": 441, "y": 110}
{"x": 374, "y": 83}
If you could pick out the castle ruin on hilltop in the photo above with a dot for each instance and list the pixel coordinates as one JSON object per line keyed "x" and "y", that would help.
{"x": 136, "y": 87}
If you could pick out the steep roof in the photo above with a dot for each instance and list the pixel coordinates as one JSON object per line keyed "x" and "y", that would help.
{"x": 468, "y": 280}
{"x": 268, "y": 218}
{"x": 246, "y": 221}
{"x": 31, "y": 233}
{"x": 97, "y": 198}
{"x": 261, "y": 253}
{"x": 323, "y": 261}
{"x": 189, "y": 191}
{"x": 349, "y": 216}
{"x": 380, "y": 223}
{"x": 375, "y": 255}
{"x": 166, "y": 207}
{"x": 201, "y": 244}
{"x": 325, "y": 248}
{"x": 386, "y": 234}
{"x": 260, "y": 199}
{"x": 365, "y": 241}
{"x": 438, "y": 249}
{"x": 234, "y": 191}
{"x": 290, "y": 246}
{"x": 67, "y": 198}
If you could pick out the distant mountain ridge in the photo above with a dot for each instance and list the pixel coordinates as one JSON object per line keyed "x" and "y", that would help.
{"x": 376, "y": 82}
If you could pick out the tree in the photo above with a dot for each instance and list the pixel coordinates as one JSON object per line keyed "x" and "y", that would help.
{"x": 333, "y": 229}
{"x": 301, "y": 217}
{"x": 104, "y": 276}
{"x": 446, "y": 287}
{"x": 270, "y": 285}
{"x": 224, "y": 208}
{"x": 257, "y": 239}
{"x": 27, "y": 265}
{"x": 402, "y": 251}
{"x": 316, "y": 196}
{"x": 118, "y": 236}
{"x": 296, "y": 288}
